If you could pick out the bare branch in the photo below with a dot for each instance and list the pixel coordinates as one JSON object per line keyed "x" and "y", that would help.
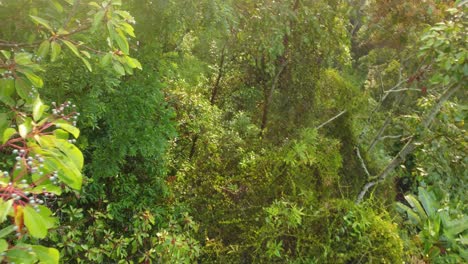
{"x": 363, "y": 164}
{"x": 331, "y": 119}
{"x": 410, "y": 145}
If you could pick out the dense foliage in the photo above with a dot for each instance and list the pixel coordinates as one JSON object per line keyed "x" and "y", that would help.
{"x": 213, "y": 131}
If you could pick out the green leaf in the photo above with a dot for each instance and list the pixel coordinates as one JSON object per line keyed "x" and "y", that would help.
{"x": 67, "y": 127}
{"x": 57, "y": 6}
{"x": 72, "y": 47}
{"x": 412, "y": 216}
{"x": 5, "y": 208}
{"x": 33, "y": 78}
{"x": 97, "y": 20}
{"x": 35, "y": 222}
{"x": 23, "y": 58}
{"x": 117, "y": 36}
{"x": 6, "y": 54}
{"x": 3, "y": 245}
{"x": 7, "y": 134}
{"x": 86, "y": 63}
{"x": 119, "y": 68}
{"x": 22, "y": 88}
{"x": 127, "y": 28}
{"x": 38, "y": 109}
{"x": 427, "y": 201}
{"x": 55, "y": 51}
{"x": 50, "y": 188}
{"x": 46, "y": 255}
{"x": 19, "y": 255}
{"x": 42, "y": 22}
{"x": 71, "y": 151}
{"x": 457, "y": 226}
{"x": 68, "y": 173}
{"x": 416, "y": 206}
{"x": 43, "y": 49}
{"x": 106, "y": 60}
{"x": 25, "y": 127}
{"x": 61, "y": 134}
{"x": 7, "y": 89}
{"x": 7, "y": 230}
{"x": 134, "y": 63}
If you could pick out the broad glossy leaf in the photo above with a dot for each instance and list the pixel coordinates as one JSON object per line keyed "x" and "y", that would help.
{"x": 67, "y": 172}
{"x": 46, "y": 255}
{"x": 67, "y": 127}
{"x": 61, "y": 134}
{"x": 71, "y": 151}
{"x": 38, "y": 109}
{"x": 25, "y": 127}
{"x": 23, "y": 88}
{"x": 37, "y": 223}
{"x": 19, "y": 255}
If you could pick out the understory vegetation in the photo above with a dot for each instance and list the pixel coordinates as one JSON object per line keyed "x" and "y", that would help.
{"x": 233, "y": 131}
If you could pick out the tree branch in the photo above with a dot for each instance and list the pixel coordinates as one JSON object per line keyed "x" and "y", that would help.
{"x": 410, "y": 145}
{"x": 331, "y": 119}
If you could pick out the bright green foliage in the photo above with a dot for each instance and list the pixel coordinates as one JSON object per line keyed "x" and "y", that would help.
{"x": 441, "y": 234}
{"x": 46, "y": 160}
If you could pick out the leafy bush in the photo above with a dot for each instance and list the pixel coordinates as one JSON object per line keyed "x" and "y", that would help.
{"x": 336, "y": 231}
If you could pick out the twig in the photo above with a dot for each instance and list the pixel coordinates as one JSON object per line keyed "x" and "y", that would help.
{"x": 331, "y": 119}
{"x": 402, "y": 90}
{"x": 363, "y": 164}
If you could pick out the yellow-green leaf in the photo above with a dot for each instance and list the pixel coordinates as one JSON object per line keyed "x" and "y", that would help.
{"x": 34, "y": 79}
{"x": 67, "y": 127}
{"x": 25, "y": 128}
{"x": 72, "y": 47}
{"x": 46, "y": 255}
{"x": 43, "y": 49}
{"x": 42, "y": 22}
{"x": 22, "y": 88}
{"x": 7, "y": 134}
{"x": 38, "y": 109}
{"x": 55, "y": 51}
{"x": 34, "y": 222}
{"x": 5, "y": 208}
